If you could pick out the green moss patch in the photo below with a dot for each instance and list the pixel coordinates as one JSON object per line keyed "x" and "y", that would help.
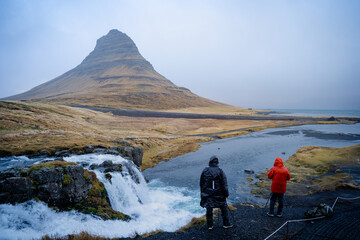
{"x": 53, "y": 164}
{"x": 67, "y": 179}
{"x": 96, "y": 202}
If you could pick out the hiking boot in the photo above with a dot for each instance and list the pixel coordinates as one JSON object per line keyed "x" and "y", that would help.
{"x": 270, "y": 214}
{"x": 228, "y": 226}
{"x": 210, "y": 228}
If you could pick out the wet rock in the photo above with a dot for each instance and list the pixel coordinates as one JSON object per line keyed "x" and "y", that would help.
{"x": 249, "y": 171}
{"x": 16, "y": 189}
{"x": 132, "y": 172}
{"x": 93, "y": 166}
{"x": 84, "y": 164}
{"x": 107, "y": 163}
{"x": 134, "y": 154}
{"x": 119, "y": 149}
{"x": 112, "y": 152}
{"x": 62, "y": 153}
{"x": 8, "y": 173}
{"x": 99, "y": 150}
{"x": 88, "y": 149}
{"x": 107, "y": 166}
{"x": 56, "y": 185}
{"x": 108, "y": 177}
{"x": 137, "y": 155}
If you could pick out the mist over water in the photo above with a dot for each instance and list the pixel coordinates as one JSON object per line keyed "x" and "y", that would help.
{"x": 171, "y": 198}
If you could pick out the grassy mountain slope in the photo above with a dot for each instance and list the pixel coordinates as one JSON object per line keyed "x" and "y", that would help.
{"x": 115, "y": 75}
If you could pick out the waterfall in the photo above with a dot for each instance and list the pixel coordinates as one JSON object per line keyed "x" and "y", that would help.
{"x": 152, "y": 206}
{"x": 127, "y": 190}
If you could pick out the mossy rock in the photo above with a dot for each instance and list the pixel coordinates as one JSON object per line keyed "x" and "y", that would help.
{"x": 52, "y": 164}
{"x": 108, "y": 176}
{"x": 67, "y": 179}
{"x": 97, "y": 202}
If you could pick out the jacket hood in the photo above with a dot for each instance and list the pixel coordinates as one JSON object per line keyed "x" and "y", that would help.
{"x": 214, "y": 161}
{"x": 278, "y": 162}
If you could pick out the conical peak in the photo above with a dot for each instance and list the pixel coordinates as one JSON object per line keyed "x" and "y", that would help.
{"x": 112, "y": 47}
{"x": 115, "y": 37}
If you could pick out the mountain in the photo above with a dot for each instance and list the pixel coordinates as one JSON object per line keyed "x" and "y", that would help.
{"x": 115, "y": 75}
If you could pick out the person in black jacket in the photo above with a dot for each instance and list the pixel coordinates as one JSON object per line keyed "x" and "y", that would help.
{"x": 214, "y": 191}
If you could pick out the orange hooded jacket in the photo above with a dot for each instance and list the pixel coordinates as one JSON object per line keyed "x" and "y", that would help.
{"x": 279, "y": 175}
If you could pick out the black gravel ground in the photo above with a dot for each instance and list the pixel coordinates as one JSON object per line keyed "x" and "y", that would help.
{"x": 251, "y": 222}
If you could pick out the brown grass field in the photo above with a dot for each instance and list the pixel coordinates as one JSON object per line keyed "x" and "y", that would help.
{"x": 29, "y": 127}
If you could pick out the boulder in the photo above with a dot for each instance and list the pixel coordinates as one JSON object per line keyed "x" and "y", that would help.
{"x": 137, "y": 155}
{"x": 134, "y": 154}
{"x": 107, "y": 166}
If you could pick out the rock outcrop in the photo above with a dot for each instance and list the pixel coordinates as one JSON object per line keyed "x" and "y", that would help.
{"x": 64, "y": 185}
{"x": 56, "y": 183}
{"x": 125, "y": 150}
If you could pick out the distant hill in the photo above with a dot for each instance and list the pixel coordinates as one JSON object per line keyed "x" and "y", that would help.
{"x": 115, "y": 75}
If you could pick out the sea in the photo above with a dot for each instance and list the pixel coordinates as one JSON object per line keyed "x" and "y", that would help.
{"x": 316, "y": 112}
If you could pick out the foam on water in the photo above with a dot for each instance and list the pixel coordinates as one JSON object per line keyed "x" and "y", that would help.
{"x": 152, "y": 206}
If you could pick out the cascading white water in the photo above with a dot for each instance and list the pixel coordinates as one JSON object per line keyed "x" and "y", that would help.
{"x": 152, "y": 206}
{"x": 127, "y": 190}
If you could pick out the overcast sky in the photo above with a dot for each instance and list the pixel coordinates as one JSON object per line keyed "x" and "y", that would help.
{"x": 260, "y": 54}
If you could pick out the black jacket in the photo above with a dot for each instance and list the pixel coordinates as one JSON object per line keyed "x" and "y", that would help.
{"x": 213, "y": 186}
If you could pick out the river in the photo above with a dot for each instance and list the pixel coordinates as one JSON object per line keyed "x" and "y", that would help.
{"x": 255, "y": 151}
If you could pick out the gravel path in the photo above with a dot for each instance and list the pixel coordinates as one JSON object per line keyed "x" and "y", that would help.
{"x": 159, "y": 114}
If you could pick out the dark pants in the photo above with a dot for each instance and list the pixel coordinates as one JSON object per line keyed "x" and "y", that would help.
{"x": 276, "y": 197}
{"x": 224, "y": 214}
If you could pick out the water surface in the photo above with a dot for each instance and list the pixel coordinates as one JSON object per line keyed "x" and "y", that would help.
{"x": 256, "y": 151}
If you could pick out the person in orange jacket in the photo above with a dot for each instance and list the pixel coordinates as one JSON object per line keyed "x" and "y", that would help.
{"x": 279, "y": 175}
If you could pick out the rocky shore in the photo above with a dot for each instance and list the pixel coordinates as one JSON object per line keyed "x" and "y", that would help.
{"x": 252, "y": 223}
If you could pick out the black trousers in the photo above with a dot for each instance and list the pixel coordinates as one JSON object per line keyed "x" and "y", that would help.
{"x": 224, "y": 214}
{"x": 276, "y": 197}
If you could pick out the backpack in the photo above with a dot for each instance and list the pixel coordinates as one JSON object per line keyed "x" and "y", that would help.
{"x": 319, "y": 211}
